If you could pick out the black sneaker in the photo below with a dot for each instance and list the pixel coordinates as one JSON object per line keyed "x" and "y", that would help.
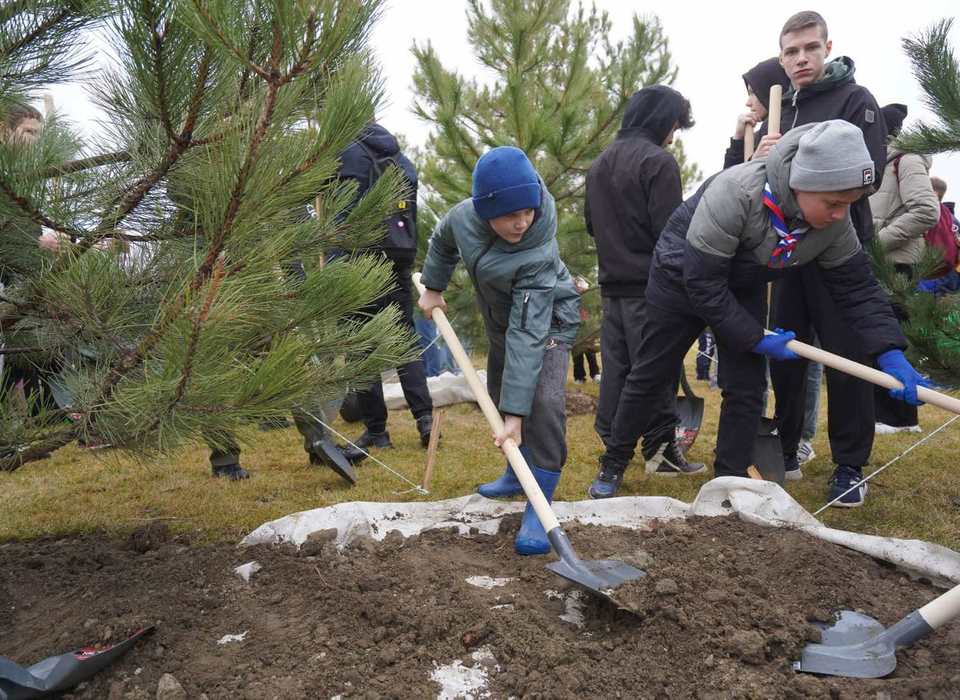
{"x": 668, "y": 460}
{"x": 233, "y": 472}
{"x": 791, "y": 468}
{"x": 608, "y": 480}
{"x": 365, "y": 442}
{"x": 424, "y": 425}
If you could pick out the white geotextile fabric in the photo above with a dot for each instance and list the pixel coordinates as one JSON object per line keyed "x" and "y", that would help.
{"x": 445, "y": 389}
{"x": 758, "y": 502}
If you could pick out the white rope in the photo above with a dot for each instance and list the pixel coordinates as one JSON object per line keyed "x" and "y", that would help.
{"x": 417, "y": 488}
{"x": 899, "y": 456}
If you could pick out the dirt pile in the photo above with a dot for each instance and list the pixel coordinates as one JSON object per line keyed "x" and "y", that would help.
{"x": 724, "y": 610}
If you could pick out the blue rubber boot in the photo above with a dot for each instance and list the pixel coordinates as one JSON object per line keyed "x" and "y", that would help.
{"x": 532, "y": 538}
{"x": 507, "y": 485}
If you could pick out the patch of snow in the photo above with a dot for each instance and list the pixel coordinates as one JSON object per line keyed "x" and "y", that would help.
{"x": 245, "y": 571}
{"x": 487, "y": 582}
{"x": 552, "y": 594}
{"x": 458, "y": 681}
{"x": 503, "y": 606}
{"x": 227, "y": 638}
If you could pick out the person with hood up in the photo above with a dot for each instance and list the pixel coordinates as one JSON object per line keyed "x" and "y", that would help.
{"x": 362, "y": 162}
{"x": 633, "y": 187}
{"x": 904, "y": 209}
{"x": 819, "y": 91}
{"x": 506, "y": 235}
{"x": 758, "y": 81}
{"x": 744, "y": 227}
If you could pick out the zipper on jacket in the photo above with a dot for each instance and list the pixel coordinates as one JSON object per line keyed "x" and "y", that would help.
{"x": 523, "y": 314}
{"x": 796, "y": 112}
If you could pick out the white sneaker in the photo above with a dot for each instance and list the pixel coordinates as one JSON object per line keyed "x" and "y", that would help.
{"x": 884, "y": 429}
{"x": 805, "y": 452}
{"x": 596, "y": 378}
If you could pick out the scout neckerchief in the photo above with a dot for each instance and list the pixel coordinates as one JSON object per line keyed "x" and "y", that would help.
{"x": 788, "y": 239}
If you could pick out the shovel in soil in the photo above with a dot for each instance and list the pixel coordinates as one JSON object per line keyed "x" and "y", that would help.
{"x": 857, "y": 646}
{"x": 690, "y": 412}
{"x": 600, "y": 577}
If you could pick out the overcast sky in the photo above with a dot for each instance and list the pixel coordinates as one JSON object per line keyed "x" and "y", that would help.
{"x": 713, "y": 44}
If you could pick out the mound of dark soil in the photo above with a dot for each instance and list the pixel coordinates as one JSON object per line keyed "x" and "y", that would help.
{"x": 723, "y": 612}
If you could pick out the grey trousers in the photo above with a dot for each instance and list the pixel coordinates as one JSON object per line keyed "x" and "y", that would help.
{"x": 545, "y": 429}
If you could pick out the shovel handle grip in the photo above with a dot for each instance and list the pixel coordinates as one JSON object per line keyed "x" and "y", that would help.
{"x": 530, "y": 486}
{"x": 869, "y": 374}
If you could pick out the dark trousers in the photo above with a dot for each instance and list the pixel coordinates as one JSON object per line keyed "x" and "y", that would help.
{"x": 413, "y": 378}
{"x": 647, "y": 404}
{"x": 620, "y": 334}
{"x": 225, "y": 450}
{"x": 579, "y": 371}
{"x": 708, "y": 348}
{"x": 545, "y": 429}
{"x": 889, "y": 410}
{"x": 802, "y": 304}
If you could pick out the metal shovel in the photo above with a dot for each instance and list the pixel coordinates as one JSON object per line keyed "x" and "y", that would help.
{"x": 690, "y": 412}
{"x": 600, "y": 577}
{"x": 857, "y": 646}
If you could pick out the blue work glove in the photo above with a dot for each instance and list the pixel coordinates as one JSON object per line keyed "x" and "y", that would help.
{"x": 775, "y": 347}
{"x": 928, "y": 286}
{"x": 895, "y": 364}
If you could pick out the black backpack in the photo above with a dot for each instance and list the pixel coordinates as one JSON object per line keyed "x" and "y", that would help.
{"x": 400, "y": 242}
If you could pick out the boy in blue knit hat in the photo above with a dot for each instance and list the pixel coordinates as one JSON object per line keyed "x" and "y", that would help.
{"x": 506, "y": 235}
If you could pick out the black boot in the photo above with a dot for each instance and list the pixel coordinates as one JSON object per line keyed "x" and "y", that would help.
{"x": 365, "y": 442}
{"x": 424, "y": 426}
{"x": 227, "y": 465}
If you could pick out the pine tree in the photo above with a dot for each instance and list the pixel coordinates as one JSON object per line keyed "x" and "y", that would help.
{"x": 554, "y": 86}
{"x": 225, "y": 120}
{"x": 932, "y": 327}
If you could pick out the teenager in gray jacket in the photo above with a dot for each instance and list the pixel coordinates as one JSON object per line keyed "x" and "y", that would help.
{"x": 747, "y": 226}
{"x": 506, "y": 235}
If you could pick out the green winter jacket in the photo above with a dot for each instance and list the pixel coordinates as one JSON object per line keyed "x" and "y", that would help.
{"x": 524, "y": 291}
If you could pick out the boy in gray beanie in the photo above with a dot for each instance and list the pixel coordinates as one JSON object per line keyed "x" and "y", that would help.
{"x": 743, "y": 228}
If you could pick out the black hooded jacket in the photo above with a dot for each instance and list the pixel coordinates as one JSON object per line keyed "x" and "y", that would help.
{"x": 760, "y": 79}
{"x": 632, "y": 188}
{"x": 837, "y": 96}
{"x": 356, "y": 164}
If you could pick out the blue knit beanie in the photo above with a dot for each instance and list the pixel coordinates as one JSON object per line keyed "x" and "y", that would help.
{"x": 504, "y": 181}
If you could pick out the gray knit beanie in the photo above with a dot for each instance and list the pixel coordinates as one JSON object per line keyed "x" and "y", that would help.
{"x": 831, "y": 157}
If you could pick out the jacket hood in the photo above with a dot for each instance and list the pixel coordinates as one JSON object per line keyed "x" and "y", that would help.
{"x": 893, "y": 152}
{"x": 778, "y": 164}
{"x": 653, "y": 110}
{"x": 837, "y": 72}
{"x": 379, "y": 140}
{"x": 765, "y": 75}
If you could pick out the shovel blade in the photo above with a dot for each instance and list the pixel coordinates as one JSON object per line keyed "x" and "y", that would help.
{"x": 690, "y": 413}
{"x": 601, "y": 577}
{"x": 331, "y": 455}
{"x": 855, "y": 646}
{"x": 768, "y": 453}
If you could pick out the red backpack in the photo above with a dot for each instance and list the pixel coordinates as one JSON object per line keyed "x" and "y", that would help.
{"x": 943, "y": 236}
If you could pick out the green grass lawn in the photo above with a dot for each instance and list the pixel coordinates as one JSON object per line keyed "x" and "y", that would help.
{"x": 81, "y": 491}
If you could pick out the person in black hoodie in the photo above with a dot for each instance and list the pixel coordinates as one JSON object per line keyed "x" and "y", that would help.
{"x": 363, "y": 161}
{"x": 758, "y": 81}
{"x": 821, "y": 91}
{"x": 632, "y": 189}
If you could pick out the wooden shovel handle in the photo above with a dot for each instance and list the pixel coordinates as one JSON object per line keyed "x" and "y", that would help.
{"x": 773, "y": 112}
{"x": 509, "y": 447}
{"x": 748, "y": 144}
{"x": 869, "y": 374}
